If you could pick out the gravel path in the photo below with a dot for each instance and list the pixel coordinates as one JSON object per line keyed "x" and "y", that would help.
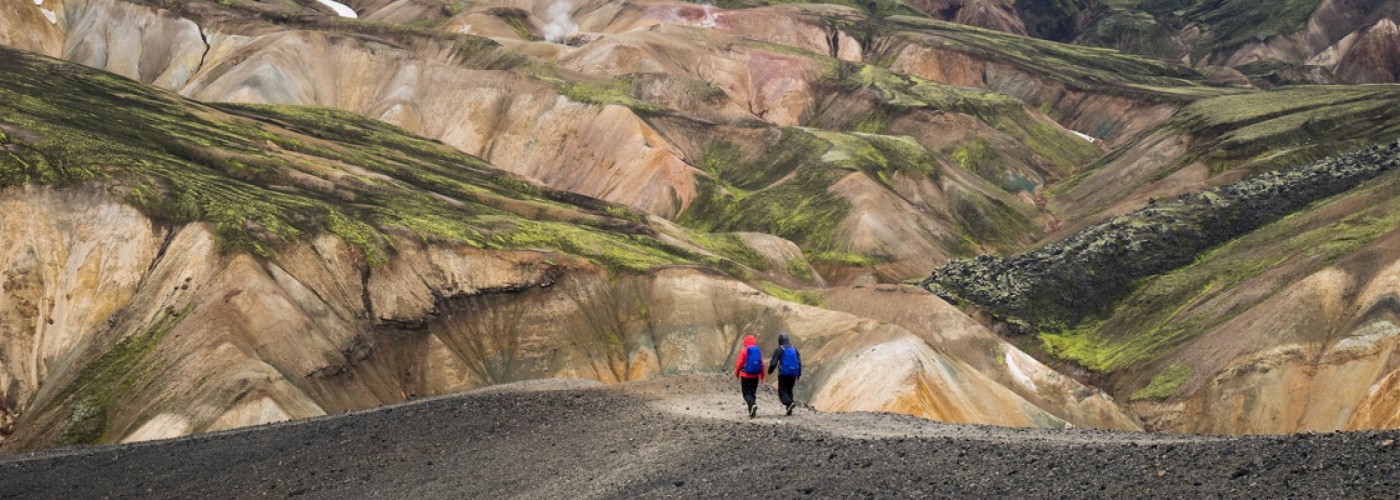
{"x": 688, "y": 437}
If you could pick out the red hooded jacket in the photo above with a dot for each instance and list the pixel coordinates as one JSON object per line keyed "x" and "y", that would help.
{"x": 749, "y": 340}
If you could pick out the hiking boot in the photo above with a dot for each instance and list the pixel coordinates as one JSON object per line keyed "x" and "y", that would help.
{"x": 790, "y": 407}
{"x": 753, "y": 411}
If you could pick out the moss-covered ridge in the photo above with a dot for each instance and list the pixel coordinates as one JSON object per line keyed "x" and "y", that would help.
{"x": 1075, "y": 66}
{"x": 903, "y": 93}
{"x": 1224, "y": 24}
{"x": 1168, "y": 311}
{"x": 264, "y": 176}
{"x": 879, "y": 8}
{"x": 1300, "y": 124}
{"x": 1254, "y": 132}
{"x": 1055, "y": 287}
{"x": 786, "y": 190}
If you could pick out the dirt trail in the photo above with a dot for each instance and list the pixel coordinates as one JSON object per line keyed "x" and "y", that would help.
{"x": 687, "y": 437}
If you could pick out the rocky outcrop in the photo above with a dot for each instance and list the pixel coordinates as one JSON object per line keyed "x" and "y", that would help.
{"x": 1285, "y": 328}
{"x": 178, "y": 337}
{"x": 1062, "y": 283}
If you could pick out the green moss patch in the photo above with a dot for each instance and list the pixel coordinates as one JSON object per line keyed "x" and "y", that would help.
{"x": 265, "y": 176}
{"x": 617, "y": 92}
{"x": 878, "y": 8}
{"x": 117, "y": 373}
{"x": 1164, "y": 385}
{"x": 1076, "y": 66}
{"x": 1290, "y": 126}
{"x": 901, "y": 93}
{"x": 799, "y": 296}
{"x": 1058, "y": 286}
{"x": 1169, "y": 310}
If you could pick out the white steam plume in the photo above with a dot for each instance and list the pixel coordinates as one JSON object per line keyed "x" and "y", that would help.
{"x": 560, "y": 25}
{"x": 710, "y": 18}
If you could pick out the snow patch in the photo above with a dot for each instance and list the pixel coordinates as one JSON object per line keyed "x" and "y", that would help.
{"x": 466, "y": 29}
{"x": 50, "y": 15}
{"x": 560, "y": 25}
{"x": 38, "y": 2}
{"x": 1085, "y": 136}
{"x": 339, "y": 8}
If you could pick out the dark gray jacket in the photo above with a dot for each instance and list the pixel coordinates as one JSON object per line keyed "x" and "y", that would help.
{"x": 776, "y": 360}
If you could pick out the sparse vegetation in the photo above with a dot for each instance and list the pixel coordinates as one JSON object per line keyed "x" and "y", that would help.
{"x": 615, "y": 93}
{"x": 613, "y": 321}
{"x": 1164, "y": 385}
{"x": 265, "y": 176}
{"x": 119, "y": 372}
{"x": 1170, "y": 309}
{"x": 1077, "y": 67}
{"x": 490, "y": 335}
{"x": 1225, "y": 24}
{"x": 877, "y": 8}
{"x": 1057, "y": 286}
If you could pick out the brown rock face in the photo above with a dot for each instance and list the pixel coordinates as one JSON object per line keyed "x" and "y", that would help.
{"x": 1371, "y": 55}
{"x": 953, "y": 335}
{"x": 999, "y": 15}
{"x": 1327, "y": 365}
{"x": 33, "y": 27}
{"x": 1101, "y": 115}
{"x": 192, "y": 340}
{"x": 925, "y": 147}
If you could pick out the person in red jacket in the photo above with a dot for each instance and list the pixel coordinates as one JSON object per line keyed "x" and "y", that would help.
{"x": 748, "y": 368}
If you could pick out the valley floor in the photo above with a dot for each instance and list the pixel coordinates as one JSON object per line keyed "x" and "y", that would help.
{"x": 689, "y": 437}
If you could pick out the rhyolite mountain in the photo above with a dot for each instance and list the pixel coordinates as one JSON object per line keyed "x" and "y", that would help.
{"x": 220, "y": 214}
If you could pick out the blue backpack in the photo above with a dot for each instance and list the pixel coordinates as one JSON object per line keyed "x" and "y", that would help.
{"x": 790, "y": 366}
{"x": 753, "y": 361}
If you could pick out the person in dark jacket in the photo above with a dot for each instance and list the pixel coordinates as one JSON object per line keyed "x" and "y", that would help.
{"x": 748, "y": 368}
{"x": 788, "y": 362}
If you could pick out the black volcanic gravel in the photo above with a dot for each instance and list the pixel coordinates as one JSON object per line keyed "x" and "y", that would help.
{"x": 610, "y": 442}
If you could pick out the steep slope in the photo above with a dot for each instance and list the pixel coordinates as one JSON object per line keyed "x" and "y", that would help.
{"x": 1239, "y": 41}
{"x": 959, "y": 337}
{"x": 1284, "y": 328}
{"x": 1105, "y": 94}
{"x": 640, "y": 112}
{"x": 181, "y": 268}
{"x": 1224, "y": 139}
{"x": 1345, "y": 41}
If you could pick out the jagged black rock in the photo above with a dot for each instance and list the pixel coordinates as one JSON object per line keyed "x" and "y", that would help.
{"x": 1058, "y": 285}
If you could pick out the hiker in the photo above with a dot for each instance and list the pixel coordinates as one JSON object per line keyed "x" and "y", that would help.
{"x": 749, "y": 370}
{"x": 788, "y": 362}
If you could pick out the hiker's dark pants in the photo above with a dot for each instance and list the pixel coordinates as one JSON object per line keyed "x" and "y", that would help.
{"x": 785, "y": 384}
{"x": 749, "y": 386}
